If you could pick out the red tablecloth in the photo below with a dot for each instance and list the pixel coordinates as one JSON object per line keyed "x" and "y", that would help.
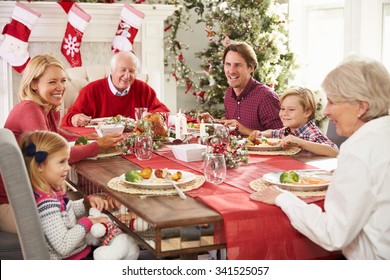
{"x": 253, "y": 230}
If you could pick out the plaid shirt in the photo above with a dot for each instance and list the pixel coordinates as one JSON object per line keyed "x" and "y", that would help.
{"x": 309, "y": 131}
{"x": 257, "y": 107}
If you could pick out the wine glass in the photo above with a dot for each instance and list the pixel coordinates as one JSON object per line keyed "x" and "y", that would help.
{"x": 143, "y": 147}
{"x": 215, "y": 168}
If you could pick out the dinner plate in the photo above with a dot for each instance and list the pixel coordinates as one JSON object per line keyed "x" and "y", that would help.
{"x": 193, "y": 129}
{"x": 98, "y": 120}
{"x": 266, "y": 147}
{"x": 158, "y": 183}
{"x": 73, "y": 142}
{"x": 325, "y": 176}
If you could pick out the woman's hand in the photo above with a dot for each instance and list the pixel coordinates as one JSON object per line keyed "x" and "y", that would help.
{"x": 92, "y": 136}
{"x": 109, "y": 141}
{"x": 267, "y": 195}
{"x": 98, "y": 202}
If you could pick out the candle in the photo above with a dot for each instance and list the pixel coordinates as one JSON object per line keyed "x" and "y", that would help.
{"x": 177, "y": 125}
{"x": 202, "y": 131}
{"x": 180, "y": 125}
{"x": 183, "y": 124}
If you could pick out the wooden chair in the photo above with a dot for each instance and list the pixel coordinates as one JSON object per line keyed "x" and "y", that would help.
{"x": 333, "y": 136}
{"x": 22, "y": 201}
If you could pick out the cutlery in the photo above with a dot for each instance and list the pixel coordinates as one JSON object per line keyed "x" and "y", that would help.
{"x": 168, "y": 179}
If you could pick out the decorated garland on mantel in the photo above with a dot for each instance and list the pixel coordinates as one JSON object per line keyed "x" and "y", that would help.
{"x": 260, "y": 23}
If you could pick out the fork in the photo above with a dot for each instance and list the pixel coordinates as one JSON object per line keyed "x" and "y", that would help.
{"x": 168, "y": 179}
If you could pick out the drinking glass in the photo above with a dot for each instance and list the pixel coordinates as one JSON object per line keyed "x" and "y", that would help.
{"x": 140, "y": 112}
{"x": 215, "y": 168}
{"x": 143, "y": 147}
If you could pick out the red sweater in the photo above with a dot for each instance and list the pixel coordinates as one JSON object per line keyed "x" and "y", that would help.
{"x": 96, "y": 100}
{"x": 28, "y": 116}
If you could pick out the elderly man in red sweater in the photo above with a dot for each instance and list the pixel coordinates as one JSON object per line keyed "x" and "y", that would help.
{"x": 118, "y": 94}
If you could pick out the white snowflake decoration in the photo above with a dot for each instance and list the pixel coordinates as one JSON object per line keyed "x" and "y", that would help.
{"x": 71, "y": 45}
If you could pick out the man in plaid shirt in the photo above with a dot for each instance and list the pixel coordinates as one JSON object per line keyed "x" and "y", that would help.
{"x": 249, "y": 105}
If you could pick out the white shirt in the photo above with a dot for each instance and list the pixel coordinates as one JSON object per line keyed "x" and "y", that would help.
{"x": 357, "y": 205}
{"x": 114, "y": 90}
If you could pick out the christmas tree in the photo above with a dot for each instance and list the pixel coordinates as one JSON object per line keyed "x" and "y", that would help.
{"x": 260, "y": 23}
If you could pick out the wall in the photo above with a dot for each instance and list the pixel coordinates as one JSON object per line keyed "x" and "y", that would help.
{"x": 47, "y": 36}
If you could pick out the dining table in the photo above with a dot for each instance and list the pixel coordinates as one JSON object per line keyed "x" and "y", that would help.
{"x": 213, "y": 217}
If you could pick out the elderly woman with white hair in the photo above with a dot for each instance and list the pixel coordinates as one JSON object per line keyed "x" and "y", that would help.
{"x": 357, "y": 203}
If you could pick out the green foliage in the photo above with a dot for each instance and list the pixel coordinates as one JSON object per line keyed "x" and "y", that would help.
{"x": 259, "y": 23}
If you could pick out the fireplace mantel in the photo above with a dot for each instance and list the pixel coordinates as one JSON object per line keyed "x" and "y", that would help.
{"x": 47, "y": 36}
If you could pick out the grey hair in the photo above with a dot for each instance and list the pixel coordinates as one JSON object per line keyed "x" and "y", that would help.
{"x": 360, "y": 79}
{"x": 122, "y": 55}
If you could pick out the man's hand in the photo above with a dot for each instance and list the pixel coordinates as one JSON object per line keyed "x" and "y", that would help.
{"x": 80, "y": 120}
{"x": 205, "y": 117}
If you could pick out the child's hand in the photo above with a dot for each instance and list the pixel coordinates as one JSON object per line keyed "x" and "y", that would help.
{"x": 255, "y": 134}
{"x": 98, "y": 202}
{"x": 100, "y": 219}
{"x": 291, "y": 140}
{"x": 113, "y": 204}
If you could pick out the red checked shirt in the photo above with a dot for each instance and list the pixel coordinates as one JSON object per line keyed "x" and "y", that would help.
{"x": 257, "y": 107}
{"x": 309, "y": 131}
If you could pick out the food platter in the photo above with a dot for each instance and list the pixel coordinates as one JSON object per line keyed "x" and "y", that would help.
{"x": 158, "y": 183}
{"x": 310, "y": 180}
{"x": 266, "y": 147}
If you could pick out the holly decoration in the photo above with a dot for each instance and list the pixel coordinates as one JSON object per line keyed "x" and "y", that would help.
{"x": 224, "y": 141}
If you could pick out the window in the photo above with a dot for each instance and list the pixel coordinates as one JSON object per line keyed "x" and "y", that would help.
{"x": 317, "y": 36}
{"x": 386, "y": 36}
{"x": 325, "y": 42}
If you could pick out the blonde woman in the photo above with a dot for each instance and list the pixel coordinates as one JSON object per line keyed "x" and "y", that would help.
{"x": 41, "y": 93}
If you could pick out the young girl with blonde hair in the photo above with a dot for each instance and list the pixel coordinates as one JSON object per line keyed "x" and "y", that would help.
{"x": 64, "y": 221}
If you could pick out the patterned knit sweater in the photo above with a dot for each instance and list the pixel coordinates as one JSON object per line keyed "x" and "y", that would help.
{"x": 64, "y": 224}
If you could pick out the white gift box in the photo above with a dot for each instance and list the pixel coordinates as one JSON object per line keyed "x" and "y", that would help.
{"x": 189, "y": 152}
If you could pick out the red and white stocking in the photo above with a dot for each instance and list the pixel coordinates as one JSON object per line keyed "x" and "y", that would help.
{"x": 131, "y": 20}
{"x": 77, "y": 24}
{"x": 14, "y": 42}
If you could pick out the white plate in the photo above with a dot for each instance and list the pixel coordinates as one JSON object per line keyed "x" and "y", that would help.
{"x": 153, "y": 182}
{"x": 99, "y": 120}
{"x": 89, "y": 141}
{"x": 266, "y": 147}
{"x": 274, "y": 178}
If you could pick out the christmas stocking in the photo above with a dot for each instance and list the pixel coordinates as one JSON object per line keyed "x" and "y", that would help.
{"x": 77, "y": 24}
{"x": 14, "y": 42}
{"x": 128, "y": 27}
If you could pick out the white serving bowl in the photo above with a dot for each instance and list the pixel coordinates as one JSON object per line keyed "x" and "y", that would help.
{"x": 189, "y": 152}
{"x": 109, "y": 128}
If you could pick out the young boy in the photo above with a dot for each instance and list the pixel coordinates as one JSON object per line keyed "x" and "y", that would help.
{"x": 297, "y": 113}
